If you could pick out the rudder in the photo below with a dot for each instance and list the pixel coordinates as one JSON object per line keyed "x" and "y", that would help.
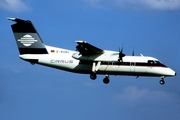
{"x": 27, "y": 38}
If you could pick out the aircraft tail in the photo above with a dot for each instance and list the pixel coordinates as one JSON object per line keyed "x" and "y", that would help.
{"x": 27, "y": 38}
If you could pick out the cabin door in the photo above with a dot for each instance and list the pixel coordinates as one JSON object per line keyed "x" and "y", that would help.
{"x": 132, "y": 66}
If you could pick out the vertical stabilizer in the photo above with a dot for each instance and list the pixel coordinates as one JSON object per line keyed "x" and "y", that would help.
{"x": 27, "y": 37}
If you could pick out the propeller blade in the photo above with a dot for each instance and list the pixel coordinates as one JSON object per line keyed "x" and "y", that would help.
{"x": 133, "y": 52}
{"x": 121, "y": 55}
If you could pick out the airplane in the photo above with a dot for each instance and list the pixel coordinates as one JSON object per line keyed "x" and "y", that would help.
{"x": 88, "y": 59}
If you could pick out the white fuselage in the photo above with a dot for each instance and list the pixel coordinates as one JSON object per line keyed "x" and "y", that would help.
{"x": 132, "y": 65}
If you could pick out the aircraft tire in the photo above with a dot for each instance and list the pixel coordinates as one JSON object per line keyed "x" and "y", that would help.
{"x": 162, "y": 82}
{"x": 93, "y": 76}
{"x": 106, "y": 80}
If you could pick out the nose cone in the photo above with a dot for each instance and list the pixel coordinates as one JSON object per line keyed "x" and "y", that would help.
{"x": 168, "y": 72}
{"x": 172, "y": 72}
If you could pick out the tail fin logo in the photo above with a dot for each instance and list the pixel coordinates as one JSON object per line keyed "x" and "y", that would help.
{"x": 27, "y": 40}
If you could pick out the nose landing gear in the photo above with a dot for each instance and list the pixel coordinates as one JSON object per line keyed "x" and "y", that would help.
{"x": 162, "y": 82}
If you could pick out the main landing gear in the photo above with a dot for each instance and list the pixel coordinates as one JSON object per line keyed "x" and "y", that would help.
{"x": 95, "y": 68}
{"x": 106, "y": 80}
{"x": 162, "y": 82}
{"x": 93, "y": 76}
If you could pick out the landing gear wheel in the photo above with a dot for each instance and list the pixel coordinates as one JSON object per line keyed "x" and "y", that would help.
{"x": 162, "y": 82}
{"x": 106, "y": 80}
{"x": 93, "y": 76}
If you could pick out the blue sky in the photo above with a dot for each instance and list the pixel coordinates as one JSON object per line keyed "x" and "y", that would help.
{"x": 151, "y": 27}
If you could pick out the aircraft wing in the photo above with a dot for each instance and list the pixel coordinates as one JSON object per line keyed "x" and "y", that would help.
{"x": 87, "y": 49}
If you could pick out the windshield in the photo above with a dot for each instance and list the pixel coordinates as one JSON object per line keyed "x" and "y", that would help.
{"x": 155, "y": 63}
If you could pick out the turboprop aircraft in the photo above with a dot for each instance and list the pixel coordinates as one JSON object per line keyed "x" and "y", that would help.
{"x": 88, "y": 59}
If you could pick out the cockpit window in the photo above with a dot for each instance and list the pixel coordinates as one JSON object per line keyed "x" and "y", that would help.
{"x": 151, "y": 62}
{"x": 155, "y": 63}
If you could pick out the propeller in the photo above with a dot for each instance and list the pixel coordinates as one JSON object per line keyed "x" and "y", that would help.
{"x": 121, "y": 55}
